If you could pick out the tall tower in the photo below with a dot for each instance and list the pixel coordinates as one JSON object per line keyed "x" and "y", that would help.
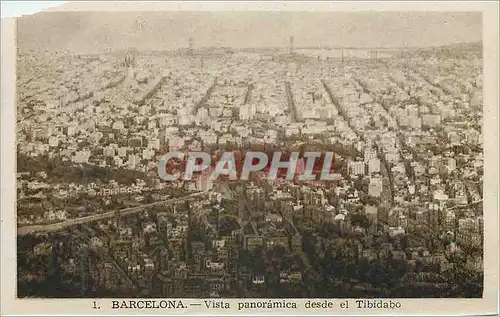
{"x": 140, "y": 23}
{"x": 191, "y": 43}
{"x": 290, "y": 47}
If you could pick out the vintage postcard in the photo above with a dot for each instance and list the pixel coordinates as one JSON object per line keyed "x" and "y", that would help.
{"x": 215, "y": 158}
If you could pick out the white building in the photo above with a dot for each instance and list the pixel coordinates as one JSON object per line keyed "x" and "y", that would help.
{"x": 374, "y": 166}
{"x": 357, "y": 168}
{"x": 375, "y": 187}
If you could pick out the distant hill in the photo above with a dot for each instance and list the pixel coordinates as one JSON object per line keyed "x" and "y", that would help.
{"x": 472, "y": 46}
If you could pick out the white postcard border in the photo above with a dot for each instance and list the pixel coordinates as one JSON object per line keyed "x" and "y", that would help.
{"x": 487, "y": 305}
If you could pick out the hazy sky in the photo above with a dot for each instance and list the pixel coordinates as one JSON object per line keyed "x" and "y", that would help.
{"x": 97, "y": 31}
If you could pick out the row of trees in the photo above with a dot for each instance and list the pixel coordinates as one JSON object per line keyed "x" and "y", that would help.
{"x": 58, "y": 171}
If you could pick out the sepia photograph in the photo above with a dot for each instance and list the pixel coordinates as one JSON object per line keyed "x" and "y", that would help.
{"x": 242, "y": 154}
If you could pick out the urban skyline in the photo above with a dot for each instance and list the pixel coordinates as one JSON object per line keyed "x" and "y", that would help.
{"x": 404, "y": 219}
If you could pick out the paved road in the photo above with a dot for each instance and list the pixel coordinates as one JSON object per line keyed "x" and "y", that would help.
{"x": 341, "y": 109}
{"x": 291, "y": 103}
{"x": 24, "y": 230}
